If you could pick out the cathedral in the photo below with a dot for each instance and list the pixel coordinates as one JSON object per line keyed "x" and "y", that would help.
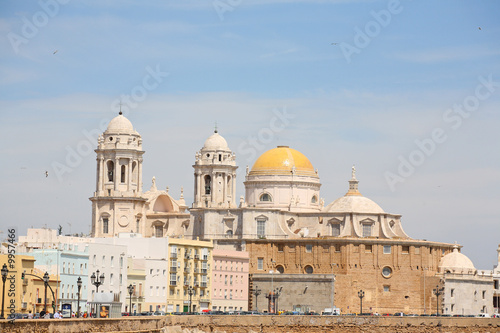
{"x": 304, "y": 254}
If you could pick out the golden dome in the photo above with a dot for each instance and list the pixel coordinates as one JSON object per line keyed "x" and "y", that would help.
{"x": 283, "y": 161}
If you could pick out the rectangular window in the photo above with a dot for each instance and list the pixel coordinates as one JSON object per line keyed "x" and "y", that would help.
{"x": 151, "y": 291}
{"x": 387, "y": 289}
{"x": 112, "y": 261}
{"x": 484, "y": 294}
{"x": 260, "y": 263}
{"x": 387, "y": 249}
{"x": 335, "y": 229}
{"x": 405, "y": 249}
{"x": 105, "y": 222}
{"x": 309, "y": 248}
{"x": 280, "y": 247}
{"x": 158, "y": 231}
{"x": 452, "y": 292}
{"x": 291, "y": 248}
{"x": 137, "y": 224}
{"x": 261, "y": 228}
{"x": 368, "y": 249}
{"x": 231, "y": 280}
{"x": 103, "y": 261}
{"x": 121, "y": 262}
{"x": 111, "y": 279}
{"x": 367, "y": 230}
{"x": 326, "y": 248}
{"x": 337, "y": 248}
{"x": 225, "y": 279}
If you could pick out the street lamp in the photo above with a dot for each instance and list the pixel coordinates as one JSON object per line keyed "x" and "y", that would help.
{"x": 79, "y": 284}
{"x": 190, "y": 293}
{"x": 272, "y": 284}
{"x": 130, "y": 292}
{"x": 438, "y": 291}
{"x": 5, "y": 271}
{"x": 257, "y": 292}
{"x": 45, "y": 283}
{"x": 333, "y": 287}
{"x": 361, "y": 294}
{"x": 97, "y": 280}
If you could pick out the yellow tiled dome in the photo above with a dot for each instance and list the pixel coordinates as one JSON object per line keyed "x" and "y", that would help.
{"x": 283, "y": 160}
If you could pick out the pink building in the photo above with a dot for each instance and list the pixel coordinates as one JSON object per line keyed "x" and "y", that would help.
{"x": 229, "y": 280}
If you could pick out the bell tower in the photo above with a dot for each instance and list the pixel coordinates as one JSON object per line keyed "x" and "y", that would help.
{"x": 215, "y": 174}
{"x": 117, "y": 201}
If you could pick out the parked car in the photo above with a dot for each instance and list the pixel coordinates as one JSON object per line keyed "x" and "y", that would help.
{"x": 484, "y": 315}
{"x": 399, "y": 314}
{"x": 159, "y": 313}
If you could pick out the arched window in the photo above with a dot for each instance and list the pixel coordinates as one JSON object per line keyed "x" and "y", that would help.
{"x": 229, "y": 233}
{"x": 308, "y": 269}
{"x": 105, "y": 226}
{"x": 122, "y": 174}
{"x": 208, "y": 184}
{"x": 111, "y": 167}
{"x": 314, "y": 199}
{"x": 280, "y": 269}
{"x": 265, "y": 197}
{"x": 158, "y": 231}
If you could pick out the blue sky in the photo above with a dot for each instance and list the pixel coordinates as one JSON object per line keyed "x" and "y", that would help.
{"x": 242, "y": 63}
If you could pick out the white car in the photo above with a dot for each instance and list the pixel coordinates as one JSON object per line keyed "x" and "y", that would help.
{"x": 484, "y": 315}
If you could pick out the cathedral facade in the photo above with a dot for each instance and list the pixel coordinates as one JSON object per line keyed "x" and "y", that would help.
{"x": 291, "y": 235}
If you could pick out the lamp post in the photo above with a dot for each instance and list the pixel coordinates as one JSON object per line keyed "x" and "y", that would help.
{"x": 79, "y": 284}
{"x": 438, "y": 292}
{"x": 257, "y": 292}
{"x": 130, "y": 292}
{"x": 333, "y": 287}
{"x": 96, "y": 280}
{"x": 272, "y": 284}
{"x": 5, "y": 271}
{"x": 361, "y": 294}
{"x": 45, "y": 283}
{"x": 190, "y": 293}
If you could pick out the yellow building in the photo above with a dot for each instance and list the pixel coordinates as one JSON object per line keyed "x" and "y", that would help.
{"x": 136, "y": 276}
{"x": 189, "y": 275}
{"x": 25, "y": 295}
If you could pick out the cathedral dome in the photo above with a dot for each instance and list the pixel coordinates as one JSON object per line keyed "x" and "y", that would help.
{"x": 354, "y": 204}
{"x": 216, "y": 142}
{"x": 120, "y": 124}
{"x": 283, "y": 161}
{"x": 456, "y": 262}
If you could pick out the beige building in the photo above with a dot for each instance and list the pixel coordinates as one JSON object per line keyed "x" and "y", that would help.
{"x": 136, "y": 276}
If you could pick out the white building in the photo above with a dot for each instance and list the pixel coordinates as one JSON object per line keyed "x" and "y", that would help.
{"x": 467, "y": 291}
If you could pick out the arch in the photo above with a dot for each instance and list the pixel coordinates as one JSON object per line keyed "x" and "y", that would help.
{"x": 134, "y": 172}
{"x": 314, "y": 199}
{"x": 308, "y": 269}
{"x": 280, "y": 269}
{"x": 110, "y": 170}
{"x": 122, "y": 174}
{"x": 163, "y": 204}
{"x": 208, "y": 184}
{"x": 265, "y": 197}
{"x": 229, "y": 233}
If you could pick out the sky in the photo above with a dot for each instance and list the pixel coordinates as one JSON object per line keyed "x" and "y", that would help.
{"x": 407, "y": 91}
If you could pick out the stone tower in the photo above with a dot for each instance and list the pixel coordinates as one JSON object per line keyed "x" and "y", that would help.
{"x": 215, "y": 175}
{"x": 117, "y": 202}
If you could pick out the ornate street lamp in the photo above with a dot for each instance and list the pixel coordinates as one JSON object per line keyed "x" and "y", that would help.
{"x": 97, "y": 280}
{"x": 438, "y": 292}
{"x": 79, "y": 284}
{"x": 130, "y": 292}
{"x": 257, "y": 292}
{"x": 45, "y": 283}
{"x": 5, "y": 271}
{"x": 361, "y": 294}
{"x": 190, "y": 293}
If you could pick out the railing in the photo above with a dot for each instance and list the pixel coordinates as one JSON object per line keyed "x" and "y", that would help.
{"x": 197, "y": 257}
{"x": 187, "y": 269}
{"x": 173, "y": 269}
{"x": 196, "y": 270}
{"x": 203, "y": 284}
{"x": 205, "y": 257}
{"x": 203, "y": 271}
{"x": 173, "y": 255}
{"x": 173, "y": 283}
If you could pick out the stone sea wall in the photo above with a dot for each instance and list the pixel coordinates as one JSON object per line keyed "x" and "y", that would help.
{"x": 253, "y": 324}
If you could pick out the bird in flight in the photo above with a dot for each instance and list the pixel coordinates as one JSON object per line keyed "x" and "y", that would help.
{"x": 55, "y": 51}
{"x": 46, "y": 173}
{"x": 334, "y": 43}
{"x": 479, "y": 28}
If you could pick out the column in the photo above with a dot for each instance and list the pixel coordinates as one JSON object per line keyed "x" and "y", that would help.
{"x": 129, "y": 177}
{"x": 117, "y": 173}
{"x": 139, "y": 175}
{"x": 224, "y": 190}
{"x": 212, "y": 195}
{"x": 233, "y": 186}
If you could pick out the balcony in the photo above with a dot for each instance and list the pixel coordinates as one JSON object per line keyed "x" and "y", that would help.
{"x": 203, "y": 284}
{"x": 173, "y": 283}
{"x": 204, "y": 271}
{"x": 196, "y": 257}
{"x": 196, "y": 270}
{"x": 205, "y": 257}
{"x": 173, "y": 255}
{"x": 186, "y": 283}
{"x": 24, "y": 305}
{"x": 187, "y": 270}
{"x": 173, "y": 269}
